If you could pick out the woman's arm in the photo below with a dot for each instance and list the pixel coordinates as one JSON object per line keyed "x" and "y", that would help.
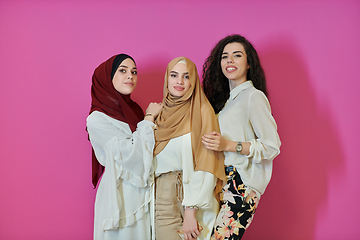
{"x": 114, "y": 143}
{"x": 198, "y": 194}
{"x": 266, "y": 144}
{"x": 216, "y": 142}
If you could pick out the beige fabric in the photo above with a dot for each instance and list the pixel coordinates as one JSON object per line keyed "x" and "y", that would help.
{"x": 189, "y": 113}
{"x": 169, "y": 212}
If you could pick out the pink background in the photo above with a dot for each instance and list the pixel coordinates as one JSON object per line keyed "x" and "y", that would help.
{"x": 49, "y": 50}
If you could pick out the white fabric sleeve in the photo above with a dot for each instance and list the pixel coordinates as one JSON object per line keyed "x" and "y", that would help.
{"x": 131, "y": 153}
{"x": 266, "y": 145}
{"x": 199, "y": 191}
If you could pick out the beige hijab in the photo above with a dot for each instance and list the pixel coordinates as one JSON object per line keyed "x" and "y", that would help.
{"x": 189, "y": 113}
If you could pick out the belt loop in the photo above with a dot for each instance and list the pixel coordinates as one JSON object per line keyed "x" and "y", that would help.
{"x": 179, "y": 186}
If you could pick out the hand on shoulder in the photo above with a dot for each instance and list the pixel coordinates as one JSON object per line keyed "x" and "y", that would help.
{"x": 153, "y": 111}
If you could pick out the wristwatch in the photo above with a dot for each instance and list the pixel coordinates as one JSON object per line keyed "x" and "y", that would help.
{"x": 238, "y": 147}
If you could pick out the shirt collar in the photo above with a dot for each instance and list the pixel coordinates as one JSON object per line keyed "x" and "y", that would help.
{"x": 235, "y": 92}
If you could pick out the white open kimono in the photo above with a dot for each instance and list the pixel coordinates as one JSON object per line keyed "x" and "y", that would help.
{"x": 124, "y": 193}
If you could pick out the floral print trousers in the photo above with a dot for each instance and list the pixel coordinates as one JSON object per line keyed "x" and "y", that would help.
{"x": 238, "y": 205}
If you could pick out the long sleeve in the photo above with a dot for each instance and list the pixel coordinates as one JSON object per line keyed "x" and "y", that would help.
{"x": 198, "y": 192}
{"x": 131, "y": 152}
{"x": 266, "y": 145}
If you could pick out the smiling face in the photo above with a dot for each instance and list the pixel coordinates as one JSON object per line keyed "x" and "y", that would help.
{"x": 179, "y": 81}
{"x": 125, "y": 77}
{"x": 234, "y": 63}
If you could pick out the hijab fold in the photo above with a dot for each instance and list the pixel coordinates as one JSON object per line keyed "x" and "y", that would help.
{"x": 190, "y": 113}
{"x": 106, "y": 99}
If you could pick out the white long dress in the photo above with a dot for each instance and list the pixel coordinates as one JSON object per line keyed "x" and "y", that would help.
{"x": 124, "y": 193}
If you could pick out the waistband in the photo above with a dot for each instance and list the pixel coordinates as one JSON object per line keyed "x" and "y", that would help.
{"x": 177, "y": 177}
{"x": 178, "y": 173}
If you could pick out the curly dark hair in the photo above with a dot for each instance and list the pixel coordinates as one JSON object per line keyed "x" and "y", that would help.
{"x": 216, "y": 85}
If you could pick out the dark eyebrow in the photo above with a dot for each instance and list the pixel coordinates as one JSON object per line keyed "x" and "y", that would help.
{"x": 233, "y": 52}
{"x": 185, "y": 73}
{"x": 174, "y": 72}
{"x": 123, "y": 66}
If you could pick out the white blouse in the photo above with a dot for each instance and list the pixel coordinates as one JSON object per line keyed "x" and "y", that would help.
{"x": 124, "y": 191}
{"x": 198, "y": 185}
{"x": 246, "y": 117}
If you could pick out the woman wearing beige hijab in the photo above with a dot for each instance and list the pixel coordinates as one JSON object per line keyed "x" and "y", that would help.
{"x": 188, "y": 175}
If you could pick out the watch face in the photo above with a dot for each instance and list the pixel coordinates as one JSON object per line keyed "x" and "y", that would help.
{"x": 239, "y": 147}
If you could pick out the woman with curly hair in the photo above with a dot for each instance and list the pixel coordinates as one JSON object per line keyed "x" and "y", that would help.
{"x": 234, "y": 82}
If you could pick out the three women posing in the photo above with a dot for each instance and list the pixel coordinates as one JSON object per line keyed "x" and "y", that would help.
{"x": 189, "y": 147}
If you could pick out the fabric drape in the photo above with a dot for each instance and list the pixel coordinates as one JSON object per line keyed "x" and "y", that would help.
{"x": 106, "y": 99}
{"x": 189, "y": 113}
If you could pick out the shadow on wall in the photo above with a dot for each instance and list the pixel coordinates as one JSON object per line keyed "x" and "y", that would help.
{"x": 288, "y": 209}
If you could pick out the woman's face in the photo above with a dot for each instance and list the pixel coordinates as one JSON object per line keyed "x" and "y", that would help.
{"x": 234, "y": 63}
{"x": 178, "y": 81}
{"x": 125, "y": 77}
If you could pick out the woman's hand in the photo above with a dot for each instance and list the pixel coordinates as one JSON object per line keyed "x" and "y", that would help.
{"x": 215, "y": 141}
{"x": 250, "y": 195}
{"x": 153, "y": 109}
{"x": 190, "y": 226}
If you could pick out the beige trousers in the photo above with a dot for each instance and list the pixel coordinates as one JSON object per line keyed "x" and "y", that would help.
{"x": 169, "y": 212}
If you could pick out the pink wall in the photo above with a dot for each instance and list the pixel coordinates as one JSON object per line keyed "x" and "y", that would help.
{"x": 49, "y": 50}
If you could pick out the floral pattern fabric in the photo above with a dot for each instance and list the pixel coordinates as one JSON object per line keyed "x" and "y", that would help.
{"x": 238, "y": 206}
